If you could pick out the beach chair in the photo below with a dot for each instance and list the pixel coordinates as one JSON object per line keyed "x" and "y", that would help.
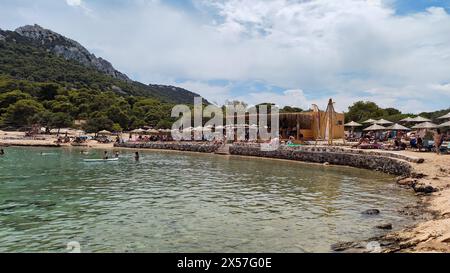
{"x": 427, "y": 146}
{"x": 445, "y": 149}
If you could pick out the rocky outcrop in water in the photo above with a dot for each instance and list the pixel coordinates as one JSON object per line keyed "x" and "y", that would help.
{"x": 68, "y": 49}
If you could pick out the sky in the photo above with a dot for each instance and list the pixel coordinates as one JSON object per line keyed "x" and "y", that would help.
{"x": 288, "y": 52}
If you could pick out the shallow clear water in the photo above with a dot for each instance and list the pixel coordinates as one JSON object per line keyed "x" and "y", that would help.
{"x": 175, "y": 202}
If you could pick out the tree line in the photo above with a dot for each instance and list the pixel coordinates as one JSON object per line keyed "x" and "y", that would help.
{"x": 53, "y": 105}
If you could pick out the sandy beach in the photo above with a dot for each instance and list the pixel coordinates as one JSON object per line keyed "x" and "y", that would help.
{"x": 431, "y": 234}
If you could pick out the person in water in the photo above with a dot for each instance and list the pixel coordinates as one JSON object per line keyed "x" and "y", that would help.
{"x": 136, "y": 156}
{"x": 105, "y": 155}
{"x": 2, "y": 152}
{"x": 117, "y": 155}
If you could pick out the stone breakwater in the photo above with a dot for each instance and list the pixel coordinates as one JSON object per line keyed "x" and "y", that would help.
{"x": 175, "y": 146}
{"x": 387, "y": 162}
{"x": 383, "y": 162}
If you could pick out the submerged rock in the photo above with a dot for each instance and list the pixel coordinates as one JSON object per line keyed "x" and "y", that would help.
{"x": 384, "y": 226}
{"x": 343, "y": 246}
{"x": 423, "y": 188}
{"x": 418, "y": 175}
{"x": 371, "y": 212}
{"x": 406, "y": 181}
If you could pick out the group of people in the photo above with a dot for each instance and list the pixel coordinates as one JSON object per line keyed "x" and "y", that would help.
{"x": 142, "y": 138}
{"x": 116, "y": 155}
{"x": 398, "y": 140}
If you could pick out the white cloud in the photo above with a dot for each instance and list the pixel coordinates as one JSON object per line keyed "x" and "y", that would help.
{"x": 295, "y": 97}
{"x": 214, "y": 93}
{"x": 347, "y": 49}
{"x": 74, "y": 3}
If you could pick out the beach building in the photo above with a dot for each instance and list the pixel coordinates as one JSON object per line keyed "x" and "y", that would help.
{"x": 310, "y": 125}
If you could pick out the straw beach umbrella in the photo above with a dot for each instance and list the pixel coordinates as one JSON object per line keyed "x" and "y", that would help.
{"x": 353, "y": 124}
{"x": 383, "y": 122}
{"x": 104, "y": 132}
{"x": 420, "y": 119}
{"x": 408, "y": 119}
{"x": 138, "y": 131}
{"x": 398, "y": 127}
{"x": 425, "y": 125}
{"x": 369, "y": 121}
{"x": 445, "y": 116}
{"x": 375, "y": 127}
{"x": 445, "y": 124}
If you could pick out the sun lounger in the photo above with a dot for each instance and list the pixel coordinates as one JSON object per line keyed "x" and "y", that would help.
{"x": 445, "y": 149}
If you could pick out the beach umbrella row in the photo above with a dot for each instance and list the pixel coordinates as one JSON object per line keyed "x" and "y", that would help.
{"x": 379, "y": 121}
{"x": 398, "y": 127}
{"x": 418, "y": 119}
{"x": 395, "y": 127}
{"x": 408, "y": 119}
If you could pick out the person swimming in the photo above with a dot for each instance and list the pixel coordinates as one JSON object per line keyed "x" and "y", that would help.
{"x": 136, "y": 156}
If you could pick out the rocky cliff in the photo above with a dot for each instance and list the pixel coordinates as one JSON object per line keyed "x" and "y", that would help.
{"x": 68, "y": 49}
{"x": 37, "y": 54}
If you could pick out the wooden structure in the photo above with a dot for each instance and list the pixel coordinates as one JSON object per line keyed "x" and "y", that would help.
{"x": 312, "y": 127}
{"x": 308, "y": 125}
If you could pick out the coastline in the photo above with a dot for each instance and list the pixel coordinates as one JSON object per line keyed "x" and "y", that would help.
{"x": 431, "y": 233}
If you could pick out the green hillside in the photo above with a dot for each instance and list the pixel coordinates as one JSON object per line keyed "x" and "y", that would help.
{"x": 22, "y": 59}
{"x": 38, "y": 87}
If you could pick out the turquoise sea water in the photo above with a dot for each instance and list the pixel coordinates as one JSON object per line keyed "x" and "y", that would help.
{"x": 175, "y": 202}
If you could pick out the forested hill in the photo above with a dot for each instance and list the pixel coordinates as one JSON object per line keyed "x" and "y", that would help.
{"x": 39, "y": 55}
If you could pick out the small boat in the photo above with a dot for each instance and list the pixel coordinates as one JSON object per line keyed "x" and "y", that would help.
{"x": 101, "y": 160}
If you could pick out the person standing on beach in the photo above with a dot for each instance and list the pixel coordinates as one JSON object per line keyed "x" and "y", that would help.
{"x": 438, "y": 140}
